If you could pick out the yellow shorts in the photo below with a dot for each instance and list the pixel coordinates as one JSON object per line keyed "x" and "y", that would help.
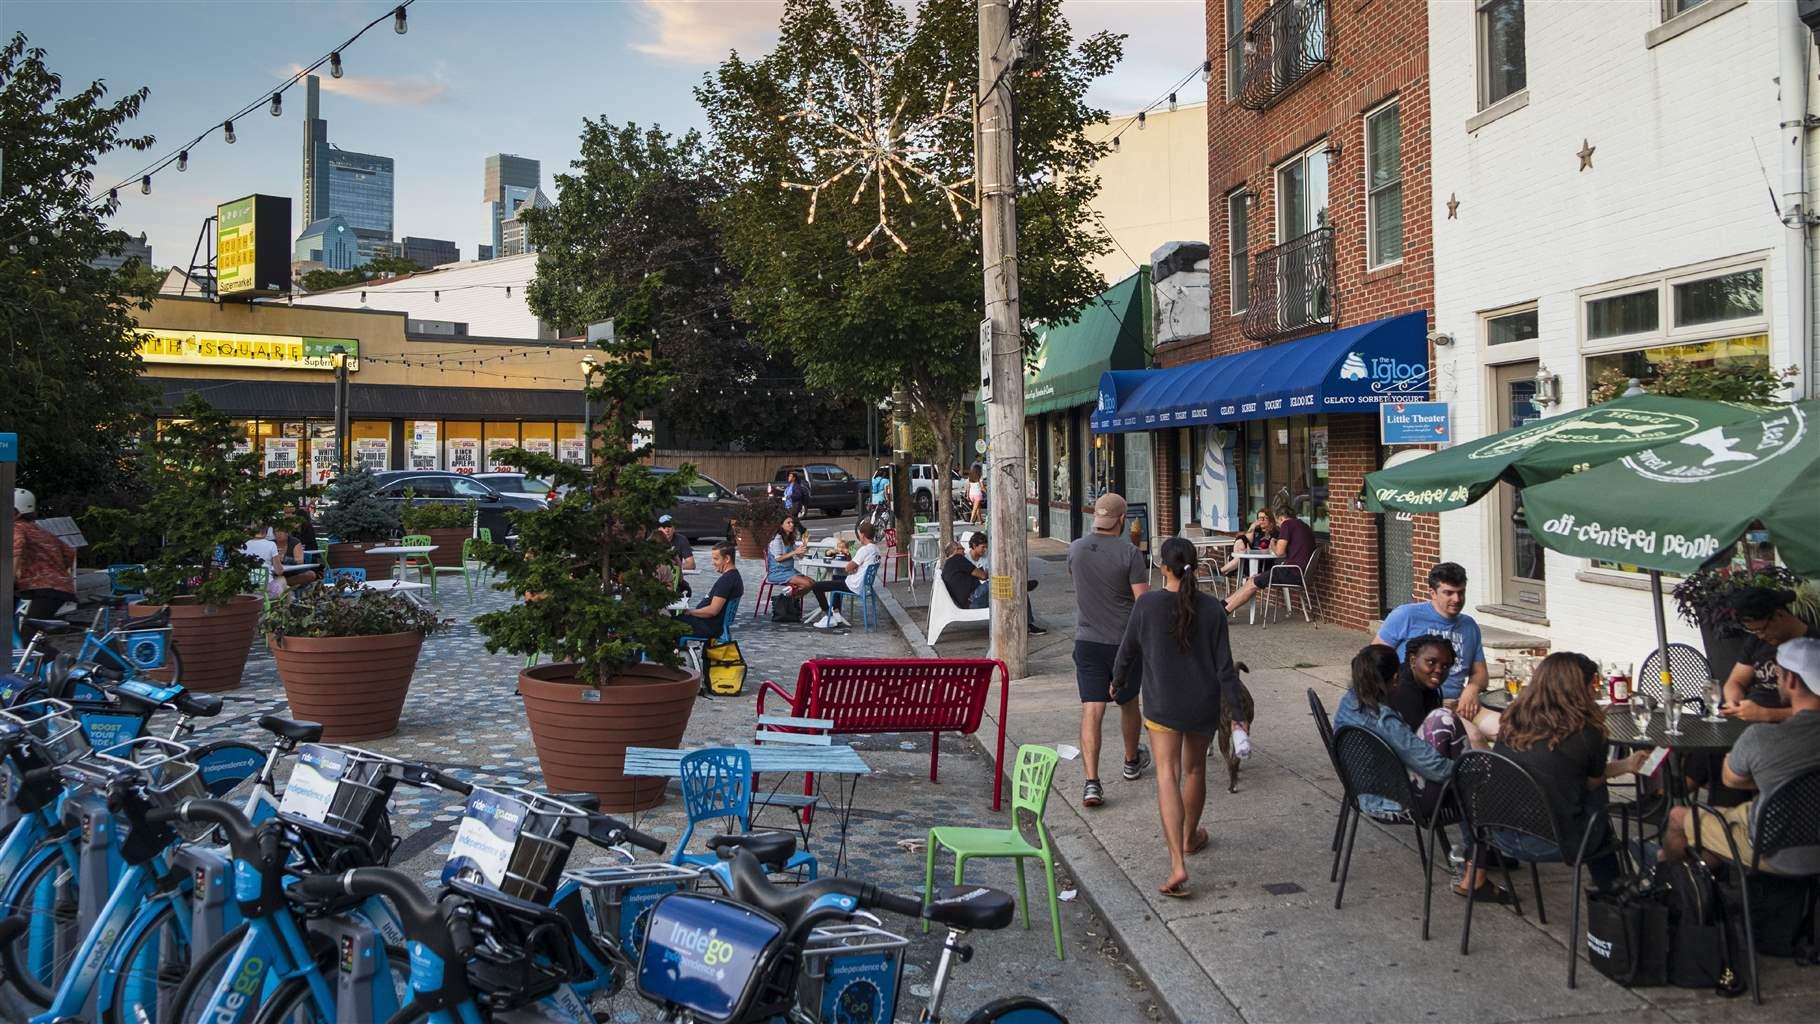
{"x": 1148, "y": 724}
{"x": 1712, "y": 830}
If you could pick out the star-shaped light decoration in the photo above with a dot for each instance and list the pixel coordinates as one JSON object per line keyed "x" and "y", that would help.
{"x": 876, "y": 141}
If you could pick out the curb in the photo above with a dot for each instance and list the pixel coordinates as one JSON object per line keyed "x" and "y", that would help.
{"x": 1180, "y": 986}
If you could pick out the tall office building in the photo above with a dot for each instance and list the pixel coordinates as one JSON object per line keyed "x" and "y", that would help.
{"x": 357, "y": 187}
{"x": 430, "y": 252}
{"x": 510, "y": 181}
{"x": 512, "y": 239}
{"x": 131, "y": 249}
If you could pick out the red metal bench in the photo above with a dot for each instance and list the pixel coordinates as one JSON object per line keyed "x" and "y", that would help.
{"x": 881, "y": 695}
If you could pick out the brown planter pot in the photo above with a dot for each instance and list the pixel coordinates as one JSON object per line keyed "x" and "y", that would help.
{"x": 354, "y": 556}
{"x": 749, "y": 544}
{"x": 211, "y": 642}
{"x": 582, "y": 732}
{"x": 354, "y": 685}
{"x": 448, "y": 543}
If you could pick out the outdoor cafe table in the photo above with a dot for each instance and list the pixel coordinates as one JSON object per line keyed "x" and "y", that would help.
{"x": 403, "y": 552}
{"x": 409, "y": 590}
{"x": 1260, "y": 561}
{"x": 838, "y": 760}
{"x": 825, "y": 565}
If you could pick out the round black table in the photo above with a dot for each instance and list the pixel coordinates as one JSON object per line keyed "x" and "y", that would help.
{"x": 1697, "y": 735}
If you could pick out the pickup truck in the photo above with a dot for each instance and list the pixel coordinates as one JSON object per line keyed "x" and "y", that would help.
{"x": 832, "y": 490}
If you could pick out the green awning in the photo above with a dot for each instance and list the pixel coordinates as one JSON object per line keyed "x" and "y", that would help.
{"x": 1108, "y": 335}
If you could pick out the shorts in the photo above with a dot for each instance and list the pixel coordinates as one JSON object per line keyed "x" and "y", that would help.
{"x": 1153, "y": 727}
{"x": 1093, "y": 672}
{"x": 1712, "y": 830}
{"x": 781, "y": 574}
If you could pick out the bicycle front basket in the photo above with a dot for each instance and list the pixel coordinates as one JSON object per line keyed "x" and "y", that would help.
{"x": 707, "y": 955}
{"x": 54, "y": 729}
{"x": 342, "y": 790}
{"x": 514, "y": 841}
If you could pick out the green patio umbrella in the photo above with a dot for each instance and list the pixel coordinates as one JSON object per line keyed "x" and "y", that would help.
{"x": 1537, "y": 452}
{"x": 1675, "y": 507}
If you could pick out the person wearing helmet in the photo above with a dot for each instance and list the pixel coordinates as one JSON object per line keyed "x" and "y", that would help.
{"x": 43, "y": 566}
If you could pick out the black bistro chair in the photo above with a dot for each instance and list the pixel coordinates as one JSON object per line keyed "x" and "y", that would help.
{"x": 1324, "y": 725}
{"x": 1369, "y": 767}
{"x": 1495, "y": 794}
{"x": 1687, "y": 669}
{"x": 1786, "y": 818}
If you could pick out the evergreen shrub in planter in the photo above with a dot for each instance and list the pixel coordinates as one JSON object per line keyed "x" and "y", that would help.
{"x": 358, "y": 518}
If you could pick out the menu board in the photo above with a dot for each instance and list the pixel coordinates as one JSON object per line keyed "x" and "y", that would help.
{"x": 464, "y": 454}
{"x": 281, "y": 455}
{"x": 423, "y": 444}
{"x": 374, "y": 453}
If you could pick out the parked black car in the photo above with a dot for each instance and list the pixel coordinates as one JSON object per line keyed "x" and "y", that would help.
{"x": 831, "y": 489}
{"x": 443, "y": 488}
{"x": 704, "y": 506}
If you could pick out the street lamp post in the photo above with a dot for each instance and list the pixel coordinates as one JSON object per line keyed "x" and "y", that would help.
{"x": 588, "y": 366}
{"x": 339, "y": 357}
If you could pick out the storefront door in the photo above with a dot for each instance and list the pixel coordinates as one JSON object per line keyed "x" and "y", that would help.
{"x": 1519, "y": 554}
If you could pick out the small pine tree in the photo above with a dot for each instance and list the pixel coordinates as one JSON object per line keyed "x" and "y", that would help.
{"x": 204, "y": 501}
{"x": 357, "y": 513}
{"x": 587, "y": 566}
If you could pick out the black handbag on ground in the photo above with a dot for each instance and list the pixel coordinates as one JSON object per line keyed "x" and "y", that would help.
{"x": 786, "y": 608}
{"x": 1781, "y": 913}
{"x": 1628, "y": 934}
{"x": 1705, "y": 943}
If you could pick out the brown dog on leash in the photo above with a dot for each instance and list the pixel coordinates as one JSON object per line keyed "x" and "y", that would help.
{"x": 1246, "y": 710}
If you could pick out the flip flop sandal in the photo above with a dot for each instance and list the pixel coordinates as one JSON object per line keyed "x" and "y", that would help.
{"x": 1178, "y": 891}
{"x": 1199, "y": 841}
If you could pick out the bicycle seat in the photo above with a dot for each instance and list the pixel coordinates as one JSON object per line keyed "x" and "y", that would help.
{"x": 772, "y": 849}
{"x": 197, "y": 705}
{"x": 586, "y": 801}
{"x": 51, "y": 626}
{"x": 971, "y": 907}
{"x": 291, "y": 729}
{"x": 136, "y": 704}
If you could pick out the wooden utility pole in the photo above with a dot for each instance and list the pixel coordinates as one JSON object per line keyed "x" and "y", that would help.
{"x": 996, "y": 169}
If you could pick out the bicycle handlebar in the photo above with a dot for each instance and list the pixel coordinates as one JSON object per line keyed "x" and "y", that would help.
{"x": 605, "y": 830}
{"x": 422, "y": 775}
{"x": 242, "y": 834}
{"x": 422, "y": 918}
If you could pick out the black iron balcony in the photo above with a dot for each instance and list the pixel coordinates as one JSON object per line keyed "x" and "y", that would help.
{"x": 1287, "y": 44}
{"x": 1291, "y": 287}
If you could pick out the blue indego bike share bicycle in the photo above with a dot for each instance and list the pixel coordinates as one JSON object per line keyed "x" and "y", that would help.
{"x": 319, "y": 934}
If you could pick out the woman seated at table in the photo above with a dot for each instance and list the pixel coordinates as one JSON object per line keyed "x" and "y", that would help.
{"x": 1555, "y": 731}
{"x": 1427, "y": 748}
{"x": 787, "y": 545}
{"x": 1258, "y": 538}
{"x": 299, "y": 545}
{"x": 708, "y": 617}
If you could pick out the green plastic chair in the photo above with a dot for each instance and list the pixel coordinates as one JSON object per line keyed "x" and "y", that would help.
{"x": 322, "y": 555}
{"x": 424, "y": 565}
{"x": 1030, "y": 782}
{"x": 468, "y": 570}
{"x": 485, "y": 535}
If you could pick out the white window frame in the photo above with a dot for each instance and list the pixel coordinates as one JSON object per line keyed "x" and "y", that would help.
{"x": 1371, "y": 234}
{"x": 1669, "y": 13}
{"x": 1510, "y": 351}
{"x": 1238, "y": 199}
{"x": 1276, "y": 182}
{"x": 1482, "y": 46}
{"x": 1234, "y": 47}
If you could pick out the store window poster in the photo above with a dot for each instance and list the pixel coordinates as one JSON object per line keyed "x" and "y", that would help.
{"x": 374, "y": 453}
{"x": 464, "y": 454}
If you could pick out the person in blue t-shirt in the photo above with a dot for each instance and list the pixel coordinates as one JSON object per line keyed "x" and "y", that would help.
{"x": 881, "y": 486}
{"x": 1441, "y": 614}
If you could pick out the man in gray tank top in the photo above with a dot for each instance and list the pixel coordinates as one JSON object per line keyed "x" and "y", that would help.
{"x": 1109, "y": 575}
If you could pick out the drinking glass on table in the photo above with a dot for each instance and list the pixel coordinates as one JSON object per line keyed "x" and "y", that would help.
{"x": 1715, "y": 695}
{"x": 1671, "y": 715}
{"x": 1639, "y": 711}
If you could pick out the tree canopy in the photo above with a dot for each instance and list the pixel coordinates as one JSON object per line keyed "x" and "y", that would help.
{"x": 68, "y": 348}
{"x": 861, "y": 319}
{"x": 373, "y": 269}
{"x": 635, "y": 211}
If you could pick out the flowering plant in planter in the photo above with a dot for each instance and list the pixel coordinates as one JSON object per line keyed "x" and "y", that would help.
{"x": 346, "y": 609}
{"x": 1701, "y": 599}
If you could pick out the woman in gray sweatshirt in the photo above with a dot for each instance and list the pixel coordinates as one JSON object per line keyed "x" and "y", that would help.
{"x": 1177, "y": 638}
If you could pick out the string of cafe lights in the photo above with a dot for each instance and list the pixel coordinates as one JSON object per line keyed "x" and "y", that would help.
{"x": 272, "y": 100}
{"x": 1168, "y": 98}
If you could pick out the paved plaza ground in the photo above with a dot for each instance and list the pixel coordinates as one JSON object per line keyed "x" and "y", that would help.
{"x": 462, "y": 713}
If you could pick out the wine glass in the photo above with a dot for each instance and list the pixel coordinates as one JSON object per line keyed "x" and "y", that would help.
{"x": 1639, "y": 711}
{"x": 1671, "y": 716}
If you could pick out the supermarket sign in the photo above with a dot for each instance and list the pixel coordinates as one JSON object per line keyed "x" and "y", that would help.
{"x": 220, "y": 348}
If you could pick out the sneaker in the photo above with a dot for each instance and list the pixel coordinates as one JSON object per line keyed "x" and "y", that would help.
{"x": 826, "y": 622}
{"x": 1241, "y": 742}
{"x": 814, "y": 614}
{"x": 1093, "y": 795}
{"x": 1036, "y": 630}
{"x": 840, "y": 620}
{"x": 1134, "y": 769}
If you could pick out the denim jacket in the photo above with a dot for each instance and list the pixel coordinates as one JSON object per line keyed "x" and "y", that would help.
{"x": 1387, "y": 725}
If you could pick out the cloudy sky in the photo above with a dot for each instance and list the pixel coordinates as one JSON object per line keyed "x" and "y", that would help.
{"x": 471, "y": 78}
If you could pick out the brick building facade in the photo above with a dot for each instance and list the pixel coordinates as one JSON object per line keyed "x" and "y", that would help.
{"x": 1309, "y": 239}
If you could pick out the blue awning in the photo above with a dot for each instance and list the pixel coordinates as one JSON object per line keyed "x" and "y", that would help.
{"x": 1348, "y": 370}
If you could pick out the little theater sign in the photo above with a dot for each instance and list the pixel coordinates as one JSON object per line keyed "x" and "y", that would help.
{"x": 272, "y": 351}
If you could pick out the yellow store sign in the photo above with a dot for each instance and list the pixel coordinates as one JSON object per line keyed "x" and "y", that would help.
{"x": 271, "y": 351}
{"x": 236, "y": 247}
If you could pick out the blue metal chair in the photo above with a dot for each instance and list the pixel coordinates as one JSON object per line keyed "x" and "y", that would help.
{"x": 693, "y": 645}
{"x": 868, "y": 597}
{"x": 354, "y": 575}
{"x": 717, "y": 783}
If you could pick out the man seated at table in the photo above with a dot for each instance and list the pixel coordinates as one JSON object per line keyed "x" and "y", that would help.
{"x": 1443, "y": 614}
{"x": 1294, "y": 547}
{"x": 970, "y": 585}
{"x": 1768, "y": 615}
{"x": 1765, "y": 756}
{"x": 852, "y": 582}
{"x": 708, "y": 618}
{"x": 683, "y": 557}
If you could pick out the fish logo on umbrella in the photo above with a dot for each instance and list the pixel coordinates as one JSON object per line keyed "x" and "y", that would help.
{"x": 1722, "y": 451}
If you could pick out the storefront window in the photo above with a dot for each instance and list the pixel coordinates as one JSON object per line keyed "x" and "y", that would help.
{"x": 1031, "y": 480}
{"x": 323, "y": 453}
{"x": 1102, "y": 466}
{"x": 500, "y": 436}
{"x": 426, "y": 444}
{"x": 538, "y": 437}
{"x": 461, "y": 446}
{"x": 569, "y": 443}
{"x": 1061, "y": 481}
{"x": 1645, "y": 363}
{"x": 1286, "y": 463}
{"x": 372, "y": 445}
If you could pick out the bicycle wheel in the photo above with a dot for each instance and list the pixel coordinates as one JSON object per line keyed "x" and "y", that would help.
{"x": 291, "y": 1003}
{"x": 37, "y": 958}
{"x": 1017, "y": 1010}
{"x": 205, "y": 971}
{"x": 150, "y": 972}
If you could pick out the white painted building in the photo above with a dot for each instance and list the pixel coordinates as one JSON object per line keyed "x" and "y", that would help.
{"x": 486, "y": 298}
{"x": 1603, "y": 175}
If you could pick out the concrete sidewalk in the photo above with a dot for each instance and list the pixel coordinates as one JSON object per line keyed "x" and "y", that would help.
{"x": 1260, "y": 940}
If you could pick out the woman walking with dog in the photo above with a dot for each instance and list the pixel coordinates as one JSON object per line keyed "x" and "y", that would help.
{"x": 1177, "y": 639}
